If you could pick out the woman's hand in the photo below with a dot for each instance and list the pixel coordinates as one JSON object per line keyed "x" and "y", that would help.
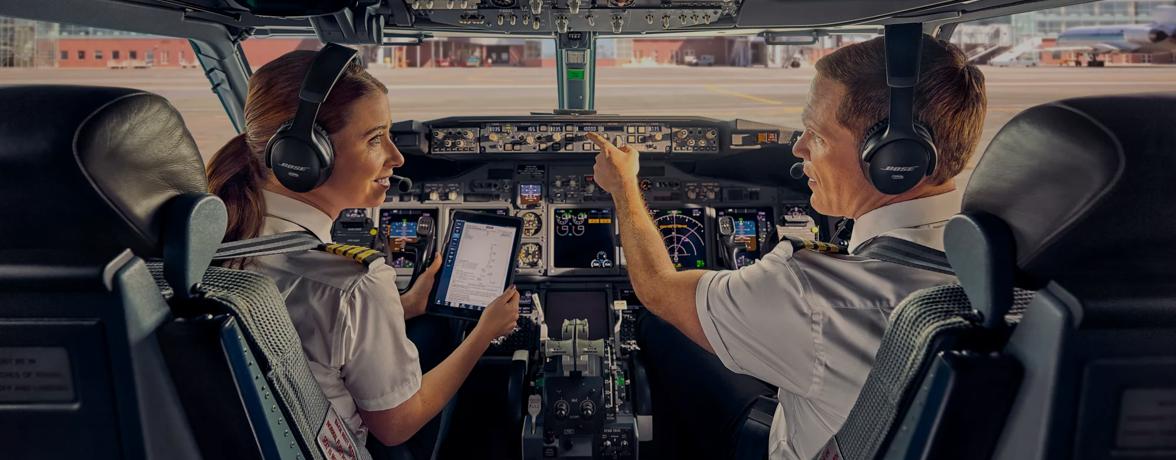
{"x": 416, "y": 299}
{"x": 500, "y": 317}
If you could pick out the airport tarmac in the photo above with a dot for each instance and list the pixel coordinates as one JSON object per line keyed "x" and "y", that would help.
{"x": 765, "y": 95}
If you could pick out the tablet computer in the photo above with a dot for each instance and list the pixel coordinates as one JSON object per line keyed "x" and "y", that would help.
{"x": 478, "y": 264}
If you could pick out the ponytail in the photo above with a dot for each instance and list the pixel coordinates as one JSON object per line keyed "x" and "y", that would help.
{"x": 236, "y": 175}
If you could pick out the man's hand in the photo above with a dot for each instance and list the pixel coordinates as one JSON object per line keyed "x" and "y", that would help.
{"x": 616, "y": 167}
{"x": 416, "y": 299}
{"x": 500, "y": 317}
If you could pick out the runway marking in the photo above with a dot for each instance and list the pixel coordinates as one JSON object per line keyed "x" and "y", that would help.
{"x": 720, "y": 90}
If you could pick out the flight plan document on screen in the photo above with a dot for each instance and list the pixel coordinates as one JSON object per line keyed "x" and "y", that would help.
{"x": 476, "y": 255}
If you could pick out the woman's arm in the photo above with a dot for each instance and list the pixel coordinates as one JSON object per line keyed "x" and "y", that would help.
{"x": 396, "y": 425}
{"x": 416, "y": 299}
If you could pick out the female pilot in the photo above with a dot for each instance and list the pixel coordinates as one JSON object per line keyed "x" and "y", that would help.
{"x": 350, "y": 318}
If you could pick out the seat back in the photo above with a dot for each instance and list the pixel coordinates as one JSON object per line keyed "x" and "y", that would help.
{"x": 108, "y": 361}
{"x": 81, "y": 372}
{"x": 1060, "y": 204}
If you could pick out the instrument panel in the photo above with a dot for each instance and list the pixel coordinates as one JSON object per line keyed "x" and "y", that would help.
{"x": 569, "y": 224}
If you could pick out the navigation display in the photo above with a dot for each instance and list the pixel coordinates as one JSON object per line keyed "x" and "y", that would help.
{"x": 684, "y": 234}
{"x": 478, "y": 261}
{"x": 398, "y": 227}
{"x": 584, "y": 238}
{"x": 752, "y": 227}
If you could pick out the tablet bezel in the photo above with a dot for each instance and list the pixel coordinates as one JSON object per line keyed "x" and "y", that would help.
{"x": 434, "y": 308}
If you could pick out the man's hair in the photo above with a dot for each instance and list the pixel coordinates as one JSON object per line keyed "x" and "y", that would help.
{"x": 949, "y": 98}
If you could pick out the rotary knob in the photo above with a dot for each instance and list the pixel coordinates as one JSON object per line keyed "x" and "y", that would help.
{"x": 452, "y": 195}
{"x": 434, "y": 196}
{"x": 493, "y": 137}
{"x": 710, "y": 194}
{"x": 691, "y": 194}
{"x": 561, "y": 409}
{"x": 587, "y": 408}
{"x": 529, "y": 140}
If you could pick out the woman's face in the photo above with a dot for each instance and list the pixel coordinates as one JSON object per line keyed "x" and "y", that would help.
{"x": 364, "y": 156}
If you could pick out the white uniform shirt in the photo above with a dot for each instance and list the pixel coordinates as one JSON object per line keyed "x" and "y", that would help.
{"x": 811, "y": 323}
{"x": 348, "y": 316}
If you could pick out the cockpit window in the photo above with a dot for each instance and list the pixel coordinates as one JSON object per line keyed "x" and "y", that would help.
{"x": 33, "y": 52}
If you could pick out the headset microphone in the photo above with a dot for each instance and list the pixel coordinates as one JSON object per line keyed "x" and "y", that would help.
{"x": 403, "y": 184}
{"x": 797, "y": 170}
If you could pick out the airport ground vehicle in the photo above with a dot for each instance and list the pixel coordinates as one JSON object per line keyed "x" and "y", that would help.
{"x": 134, "y": 394}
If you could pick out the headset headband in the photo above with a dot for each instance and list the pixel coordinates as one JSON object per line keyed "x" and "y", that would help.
{"x": 902, "y": 73}
{"x": 329, "y": 64}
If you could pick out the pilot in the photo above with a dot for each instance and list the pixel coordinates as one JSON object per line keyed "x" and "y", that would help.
{"x": 805, "y": 322}
{"x": 350, "y": 317}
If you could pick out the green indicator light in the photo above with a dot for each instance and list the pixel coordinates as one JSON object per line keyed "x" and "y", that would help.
{"x": 575, "y": 74}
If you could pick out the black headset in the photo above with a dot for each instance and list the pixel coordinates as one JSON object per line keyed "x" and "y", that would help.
{"x": 898, "y": 152}
{"x": 300, "y": 152}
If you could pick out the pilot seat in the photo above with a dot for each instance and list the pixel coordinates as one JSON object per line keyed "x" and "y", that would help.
{"x": 96, "y": 360}
{"x": 1060, "y": 340}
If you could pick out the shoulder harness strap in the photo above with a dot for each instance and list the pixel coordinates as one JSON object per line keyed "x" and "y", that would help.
{"x": 815, "y": 246}
{"x": 903, "y": 252}
{"x": 290, "y": 242}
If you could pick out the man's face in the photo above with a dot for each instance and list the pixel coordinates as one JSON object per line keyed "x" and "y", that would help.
{"x": 831, "y": 155}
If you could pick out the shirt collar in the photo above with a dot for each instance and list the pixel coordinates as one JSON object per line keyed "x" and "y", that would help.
{"x": 906, "y": 214}
{"x": 293, "y": 215}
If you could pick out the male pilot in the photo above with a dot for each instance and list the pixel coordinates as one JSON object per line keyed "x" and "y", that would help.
{"x": 805, "y": 322}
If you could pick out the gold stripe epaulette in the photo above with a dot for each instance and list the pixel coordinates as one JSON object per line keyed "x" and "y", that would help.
{"x": 361, "y": 254}
{"x": 816, "y": 246}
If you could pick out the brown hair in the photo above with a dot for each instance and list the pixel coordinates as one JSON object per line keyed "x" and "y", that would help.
{"x": 949, "y": 98}
{"x": 237, "y": 171}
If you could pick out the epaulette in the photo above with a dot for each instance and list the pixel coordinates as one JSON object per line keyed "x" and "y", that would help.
{"x": 361, "y": 254}
{"x": 816, "y": 246}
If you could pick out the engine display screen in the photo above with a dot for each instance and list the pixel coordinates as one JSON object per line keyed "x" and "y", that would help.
{"x": 752, "y": 227}
{"x": 584, "y": 238}
{"x": 683, "y": 232}
{"x": 397, "y": 228}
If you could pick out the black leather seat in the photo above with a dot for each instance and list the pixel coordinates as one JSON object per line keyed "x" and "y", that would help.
{"x": 1072, "y": 199}
{"x": 94, "y": 362}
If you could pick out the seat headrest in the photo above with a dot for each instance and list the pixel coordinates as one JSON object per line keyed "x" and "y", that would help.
{"x": 1086, "y": 186}
{"x": 87, "y": 170}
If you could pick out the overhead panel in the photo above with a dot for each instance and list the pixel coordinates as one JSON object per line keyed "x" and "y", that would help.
{"x": 562, "y": 16}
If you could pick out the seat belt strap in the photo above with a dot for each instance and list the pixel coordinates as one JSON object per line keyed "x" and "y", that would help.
{"x": 289, "y": 242}
{"x": 903, "y": 252}
{"x": 280, "y": 243}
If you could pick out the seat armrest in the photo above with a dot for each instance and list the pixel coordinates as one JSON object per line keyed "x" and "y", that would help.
{"x": 752, "y": 443}
{"x": 516, "y": 386}
{"x": 642, "y": 399}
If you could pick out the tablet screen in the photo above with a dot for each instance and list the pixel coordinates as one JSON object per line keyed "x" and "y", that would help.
{"x": 477, "y": 264}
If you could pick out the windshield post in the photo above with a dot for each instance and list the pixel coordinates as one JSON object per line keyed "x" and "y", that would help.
{"x": 575, "y": 63}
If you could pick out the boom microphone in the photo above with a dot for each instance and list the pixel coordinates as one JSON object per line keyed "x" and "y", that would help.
{"x": 403, "y": 184}
{"x": 797, "y": 170}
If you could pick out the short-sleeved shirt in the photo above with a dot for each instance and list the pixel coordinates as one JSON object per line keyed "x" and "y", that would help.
{"x": 348, "y": 316}
{"x": 811, "y": 323}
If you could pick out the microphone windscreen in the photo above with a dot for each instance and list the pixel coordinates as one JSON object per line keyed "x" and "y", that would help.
{"x": 403, "y": 184}
{"x": 797, "y": 170}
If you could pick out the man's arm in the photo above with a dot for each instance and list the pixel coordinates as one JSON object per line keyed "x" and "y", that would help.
{"x": 662, "y": 289}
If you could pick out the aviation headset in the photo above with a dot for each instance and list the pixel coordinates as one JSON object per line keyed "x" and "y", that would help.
{"x": 898, "y": 152}
{"x": 300, "y": 152}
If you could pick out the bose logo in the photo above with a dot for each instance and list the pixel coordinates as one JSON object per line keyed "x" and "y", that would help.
{"x": 296, "y": 168}
{"x": 899, "y": 168}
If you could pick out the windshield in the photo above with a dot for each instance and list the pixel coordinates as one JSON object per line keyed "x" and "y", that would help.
{"x": 1027, "y": 59}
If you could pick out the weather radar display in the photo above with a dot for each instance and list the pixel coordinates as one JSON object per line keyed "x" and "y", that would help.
{"x": 684, "y": 233}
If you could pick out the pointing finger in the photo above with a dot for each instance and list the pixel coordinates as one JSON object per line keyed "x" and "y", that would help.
{"x": 600, "y": 141}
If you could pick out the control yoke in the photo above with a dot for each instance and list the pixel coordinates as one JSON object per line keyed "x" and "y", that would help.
{"x": 732, "y": 248}
{"x": 425, "y": 247}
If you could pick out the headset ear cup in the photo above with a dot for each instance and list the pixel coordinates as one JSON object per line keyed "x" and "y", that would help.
{"x": 870, "y": 144}
{"x": 932, "y": 152}
{"x": 325, "y": 153}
